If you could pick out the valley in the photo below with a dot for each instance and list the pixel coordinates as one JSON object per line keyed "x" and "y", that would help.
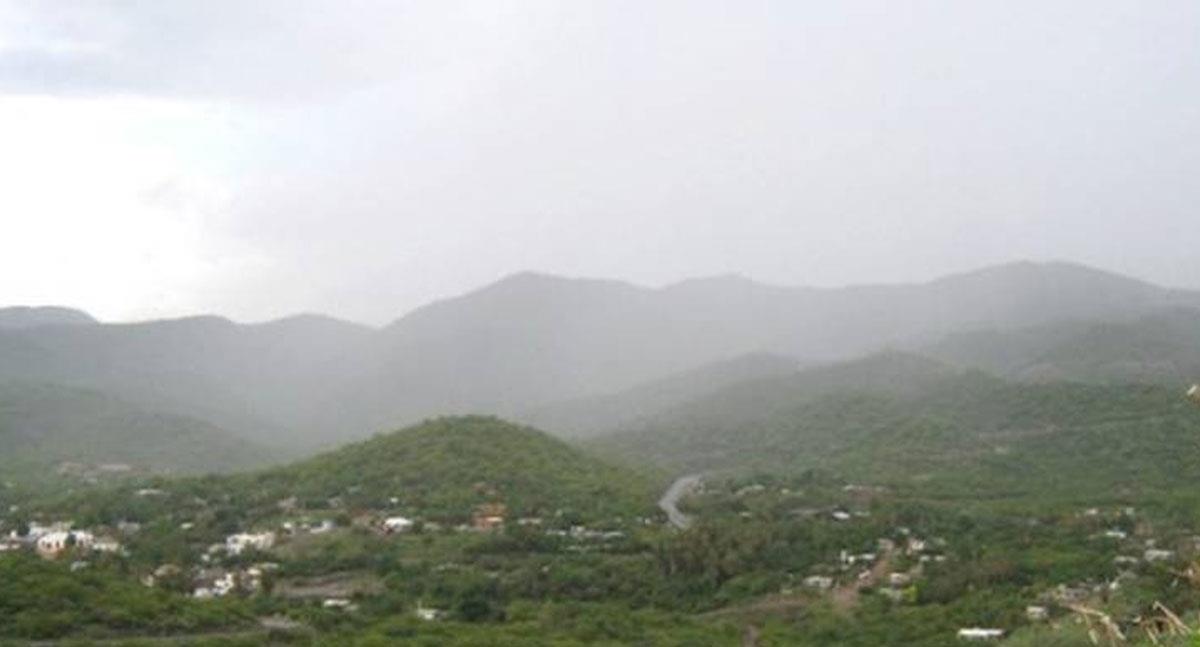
{"x": 1029, "y": 482}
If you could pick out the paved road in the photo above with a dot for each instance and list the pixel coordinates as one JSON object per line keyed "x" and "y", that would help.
{"x": 669, "y": 502}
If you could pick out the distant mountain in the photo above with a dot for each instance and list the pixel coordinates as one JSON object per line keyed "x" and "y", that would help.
{"x": 262, "y": 381}
{"x": 531, "y": 342}
{"x": 29, "y": 317}
{"x": 44, "y": 426}
{"x": 592, "y": 415}
{"x": 1163, "y": 347}
{"x": 946, "y": 432}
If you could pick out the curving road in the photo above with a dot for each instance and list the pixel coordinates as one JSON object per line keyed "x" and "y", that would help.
{"x": 669, "y": 502}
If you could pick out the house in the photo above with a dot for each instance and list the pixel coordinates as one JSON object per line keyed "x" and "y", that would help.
{"x": 338, "y": 603}
{"x": 397, "y": 524}
{"x": 899, "y": 580}
{"x": 216, "y": 584}
{"x": 1036, "y": 613}
{"x": 238, "y": 543}
{"x": 1158, "y": 555}
{"x": 428, "y": 614}
{"x": 106, "y": 545}
{"x": 489, "y": 516}
{"x": 976, "y": 633}
{"x": 51, "y": 545}
{"x": 841, "y": 515}
{"x": 1115, "y": 534}
{"x": 820, "y": 582}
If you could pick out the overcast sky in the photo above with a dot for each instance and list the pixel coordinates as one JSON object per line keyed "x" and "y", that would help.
{"x": 257, "y": 159}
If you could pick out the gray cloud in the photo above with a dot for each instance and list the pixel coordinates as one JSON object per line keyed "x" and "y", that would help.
{"x": 393, "y": 152}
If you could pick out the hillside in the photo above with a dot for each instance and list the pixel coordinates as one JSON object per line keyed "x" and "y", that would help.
{"x": 589, "y": 416}
{"x": 941, "y": 431}
{"x": 15, "y": 317}
{"x": 452, "y": 464}
{"x": 535, "y": 342}
{"x": 1162, "y": 347}
{"x": 439, "y": 470}
{"x": 43, "y": 426}
{"x": 261, "y": 381}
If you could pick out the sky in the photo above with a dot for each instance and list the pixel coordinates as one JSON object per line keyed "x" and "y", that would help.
{"x": 357, "y": 158}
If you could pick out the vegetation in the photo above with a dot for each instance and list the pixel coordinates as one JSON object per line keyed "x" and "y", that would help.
{"x": 51, "y": 430}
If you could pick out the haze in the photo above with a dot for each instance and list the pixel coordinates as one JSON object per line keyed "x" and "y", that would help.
{"x": 259, "y": 159}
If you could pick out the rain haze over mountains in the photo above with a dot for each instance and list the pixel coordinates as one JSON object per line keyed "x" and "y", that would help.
{"x": 260, "y": 160}
{"x": 599, "y": 322}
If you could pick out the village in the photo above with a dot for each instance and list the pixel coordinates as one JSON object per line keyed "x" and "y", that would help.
{"x": 253, "y": 560}
{"x": 243, "y": 563}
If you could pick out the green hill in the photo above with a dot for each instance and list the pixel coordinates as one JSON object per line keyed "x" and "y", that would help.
{"x": 588, "y": 416}
{"x": 44, "y": 426}
{"x": 440, "y": 470}
{"x": 1162, "y": 348}
{"x": 448, "y": 465}
{"x": 963, "y": 433}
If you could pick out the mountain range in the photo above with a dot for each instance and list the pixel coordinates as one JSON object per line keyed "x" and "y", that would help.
{"x": 587, "y": 355}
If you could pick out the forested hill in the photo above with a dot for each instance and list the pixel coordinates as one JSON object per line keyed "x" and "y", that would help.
{"x": 529, "y": 342}
{"x": 43, "y": 427}
{"x": 1162, "y": 347}
{"x": 451, "y": 464}
{"x": 954, "y": 433}
{"x": 441, "y": 469}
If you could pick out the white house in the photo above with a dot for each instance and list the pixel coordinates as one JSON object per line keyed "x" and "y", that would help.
{"x": 427, "y": 613}
{"x": 820, "y": 582}
{"x": 106, "y": 545}
{"x": 976, "y": 633}
{"x": 1158, "y": 555}
{"x": 53, "y": 543}
{"x": 397, "y": 524}
{"x": 238, "y": 543}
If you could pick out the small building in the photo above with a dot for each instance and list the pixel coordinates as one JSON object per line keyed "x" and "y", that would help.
{"x": 1194, "y": 393}
{"x": 397, "y": 524}
{"x": 1037, "y": 613}
{"x": 238, "y": 543}
{"x": 428, "y": 614}
{"x": 51, "y": 545}
{"x": 489, "y": 516}
{"x": 819, "y": 582}
{"x": 978, "y": 633}
{"x": 899, "y": 580}
{"x": 106, "y": 545}
{"x": 841, "y": 515}
{"x": 1158, "y": 555}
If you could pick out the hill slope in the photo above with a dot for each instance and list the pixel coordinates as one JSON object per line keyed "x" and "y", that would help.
{"x": 1163, "y": 347}
{"x": 532, "y": 341}
{"x": 43, "y": 425}
{"x": 943, "y": 431}
{"x": 15, "y": 317}
{"x": 451, "y": 464}
{"x": 589, "y": 416}
{"x": 439, "y": 470}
